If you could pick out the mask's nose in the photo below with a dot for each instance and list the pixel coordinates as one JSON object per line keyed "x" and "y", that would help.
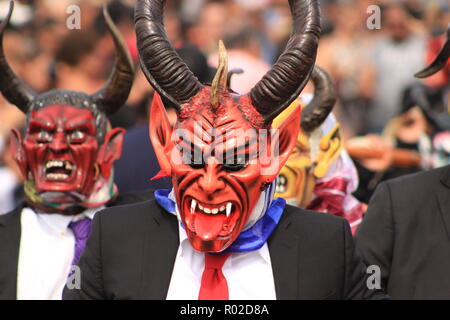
{"x": 211, "y": 181}
{"x": 59, "y": 143}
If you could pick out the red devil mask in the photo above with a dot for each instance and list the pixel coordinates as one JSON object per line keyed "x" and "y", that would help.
{"x": 67, "y": 146}
{"x": 222, "y": 154}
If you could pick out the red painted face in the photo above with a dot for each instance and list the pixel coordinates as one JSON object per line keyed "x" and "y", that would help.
{"x": 218, "y": 160}
{"x": 60, "y": 151}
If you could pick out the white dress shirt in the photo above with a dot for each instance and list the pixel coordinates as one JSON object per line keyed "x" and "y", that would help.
{"x": 8, "y": 182}
{"x": 249, "y": 275}
{"x": 47, "y": 246}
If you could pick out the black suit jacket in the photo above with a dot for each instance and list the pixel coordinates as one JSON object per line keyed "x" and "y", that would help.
{"x": 9, "y": 253}
{"x": 10, "y": 233}
{"x": 406, "y": 232}
{"x": 134, "y": 171}
{"x": 132, "y": 249}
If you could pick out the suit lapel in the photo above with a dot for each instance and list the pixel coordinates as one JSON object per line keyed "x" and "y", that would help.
{"x": 283, "y": 248}
{"x": 160, "y": 250}
{"x": 9, "y": 253}
{"x": 443, "y": 195}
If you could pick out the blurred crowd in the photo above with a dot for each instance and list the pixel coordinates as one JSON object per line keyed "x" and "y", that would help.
{"x": 372, "y": 65}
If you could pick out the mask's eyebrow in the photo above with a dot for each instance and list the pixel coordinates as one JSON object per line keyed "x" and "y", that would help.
{"x": 202, "y": 129}
{"x": 235, "y": 142}
{"x": 86, "y": 123}
{"x": 242, "y": 147}
{"x": 186, "y": 143}
{"x": 249, "y": 149}
{"x": 42, "y": 123}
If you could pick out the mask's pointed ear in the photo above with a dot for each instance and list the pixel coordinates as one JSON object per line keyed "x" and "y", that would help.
{"x": 160, "y": 134}
{"x": 284, "y": 139}
{"x": 17, "y": 152}
{"x": 110, "y": 151}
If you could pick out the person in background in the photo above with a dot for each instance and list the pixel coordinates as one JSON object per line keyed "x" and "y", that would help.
{"x": 397, "y": 54}
{"x": 243, "y": 50}
{"x": 10, "y": 180}
{"x": 66, "y": 158}
{"x": 415, "y": 140}
{"x": 319, "y": 175}
{"x": 345, "y": 54}
{"x": 406, "y": 231}
{"x": 394, "y": 153}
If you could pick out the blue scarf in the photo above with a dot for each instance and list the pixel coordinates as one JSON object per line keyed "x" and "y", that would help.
{"x": 251, "y": 239}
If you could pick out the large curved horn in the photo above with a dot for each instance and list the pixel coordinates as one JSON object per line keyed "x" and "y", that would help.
{"x": 12, "y": 88}
{"x": 115, "y": 92}
{"x": 440, "y": 61}
{"x": 281, "y": 85}
{"x": 164, "y": 69}
{"x": 315, "y": 113}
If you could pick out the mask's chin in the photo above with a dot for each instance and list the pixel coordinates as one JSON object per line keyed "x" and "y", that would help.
{"x": 57, "y": 187}
{"x": 211, "y": 227}
{"x": 53, "y": 201}
{"x": 62, "y": 197}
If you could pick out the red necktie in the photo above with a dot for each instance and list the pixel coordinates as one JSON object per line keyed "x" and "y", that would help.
{"x": 214, "y": 285}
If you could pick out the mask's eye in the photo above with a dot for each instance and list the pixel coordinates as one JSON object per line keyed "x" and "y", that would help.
{"x": 44, "y": 136}
{"x": 77, "y": 136}
{"x": 238, "y": 163}
{"x": 195, "y": 160}
{"x": 234, "y": 167}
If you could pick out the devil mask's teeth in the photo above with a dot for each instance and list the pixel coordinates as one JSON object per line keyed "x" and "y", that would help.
{"x": 193, "y": 205}
{"x": 229, "y": 206}
{"x": 57, "y": 176}
{"x": 211, "y": 210}
{"x": 54, "y": 164}
{"x": 58, "y": 169}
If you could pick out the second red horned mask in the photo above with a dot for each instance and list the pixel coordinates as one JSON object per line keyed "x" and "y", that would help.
{"x": 68, "y": 149}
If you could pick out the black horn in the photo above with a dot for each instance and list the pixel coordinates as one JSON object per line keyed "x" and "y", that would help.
{"x": 284, "y": 82}
{"x": 12, "y": 88}
{"x": 315, "y": 113}
{"x": 115, "y": 92}
{"x": 440, "y": 61}
{"x": 163, "y": 67}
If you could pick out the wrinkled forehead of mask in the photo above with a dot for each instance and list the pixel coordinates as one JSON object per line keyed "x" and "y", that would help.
{"x": 77, "y": 100}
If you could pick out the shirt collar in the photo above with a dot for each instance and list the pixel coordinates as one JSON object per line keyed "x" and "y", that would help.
{"x": 89, "y": 213}
{"x": 60, "y": 223}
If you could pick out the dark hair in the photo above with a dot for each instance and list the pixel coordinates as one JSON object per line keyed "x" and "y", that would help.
{"x": 240, "y": 39}
{"x": 75, "y": 46}
{"x": 119, "y": 12}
